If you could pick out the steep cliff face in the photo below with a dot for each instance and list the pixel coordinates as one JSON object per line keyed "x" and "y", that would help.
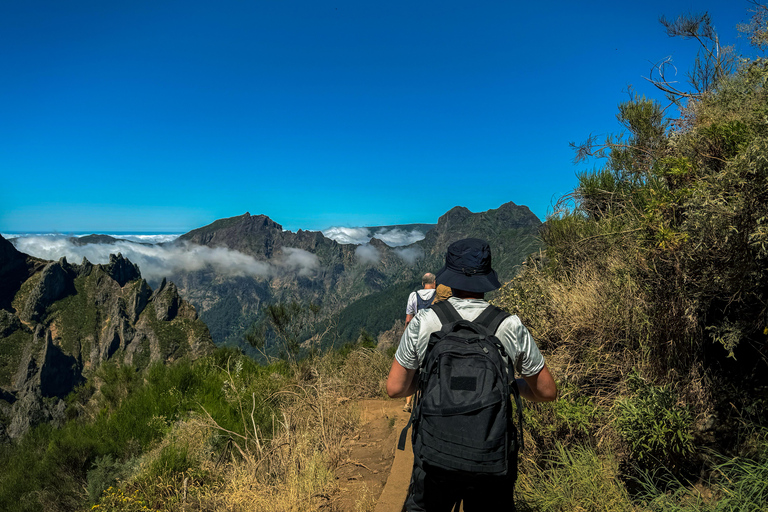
{"x": 15, "y": 268}
{"x": 63, "y": 321}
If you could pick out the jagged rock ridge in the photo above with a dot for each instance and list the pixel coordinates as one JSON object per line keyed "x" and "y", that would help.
{"x": 61, "y": 321}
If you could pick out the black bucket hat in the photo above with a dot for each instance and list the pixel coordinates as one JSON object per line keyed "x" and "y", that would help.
{"x": 468, "y": 267}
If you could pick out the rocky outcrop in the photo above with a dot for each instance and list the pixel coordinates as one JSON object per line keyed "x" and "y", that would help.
{"x": 54, "y": 282}
{"x": 121, "y": 270}
{"x": 70, "y": 319}
{"x": 391, "y": 338}
{"x": 15, "y": 269}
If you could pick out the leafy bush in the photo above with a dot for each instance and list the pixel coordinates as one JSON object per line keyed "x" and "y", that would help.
{"x": 653, "y": 422}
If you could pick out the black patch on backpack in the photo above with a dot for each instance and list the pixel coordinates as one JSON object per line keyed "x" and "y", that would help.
{"x": 464, "y": 383}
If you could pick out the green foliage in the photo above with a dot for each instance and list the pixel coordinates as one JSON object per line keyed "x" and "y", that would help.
{"x": 654, "y": 423}
{"x": 172, "y": 459}
{"x": 573, "y": 417}
{"x": 736, "y": 485}
{"x": 78, "y": 317}
{"x": 376, "y": 312}
{"x": 104, "y": 474}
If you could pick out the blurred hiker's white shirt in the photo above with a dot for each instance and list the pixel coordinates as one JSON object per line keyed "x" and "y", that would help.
{"x": 425, "y": 294}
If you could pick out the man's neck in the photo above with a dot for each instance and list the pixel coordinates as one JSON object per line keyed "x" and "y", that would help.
{"x": 463, "y": 294}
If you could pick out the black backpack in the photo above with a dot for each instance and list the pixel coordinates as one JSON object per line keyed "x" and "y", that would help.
{"x": 462, "y": 421}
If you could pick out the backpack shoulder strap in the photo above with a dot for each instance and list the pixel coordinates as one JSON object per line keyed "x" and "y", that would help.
{"x": 491, "y": 318}
{"x": 446, "y": 312}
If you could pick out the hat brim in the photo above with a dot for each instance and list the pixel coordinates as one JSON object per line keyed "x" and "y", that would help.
{"x": 477, "y": 283}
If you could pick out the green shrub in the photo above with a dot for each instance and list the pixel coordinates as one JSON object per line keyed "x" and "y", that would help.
{"x": 572, "y": 416}
{"x": 105, "y": 474}
{"x": 654, "y": 423}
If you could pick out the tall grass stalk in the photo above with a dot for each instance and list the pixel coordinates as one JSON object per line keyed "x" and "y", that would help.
{"x": 736, "y": 485}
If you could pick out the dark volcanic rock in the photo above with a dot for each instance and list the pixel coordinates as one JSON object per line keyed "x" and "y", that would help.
{"x": 93, "y": 239}
{"x": 59, "y": 372}
{"x": 166, "y": 300}
{"x": 256, "y": 235}
{"x": 137, "y": 301}
{"x": 45, "y": 369}
{"x": 15, "y": 268}
{"x": 342, "y": 274}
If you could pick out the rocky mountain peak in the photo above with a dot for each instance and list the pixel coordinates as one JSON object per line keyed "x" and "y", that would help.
{"x": 122, "y": 270}
{"x": 457, "y": 213}
{"x": 8, "y": 254}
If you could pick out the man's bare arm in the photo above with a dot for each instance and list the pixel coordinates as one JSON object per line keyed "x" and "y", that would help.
{"x": 408, "y": 319}
{"x": 538, "y": 388}
{"x": 401, "y": 381}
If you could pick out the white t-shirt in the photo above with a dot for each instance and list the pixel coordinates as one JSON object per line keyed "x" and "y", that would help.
{"x": 425, "y": 294}
{"x": 517, "y": 341}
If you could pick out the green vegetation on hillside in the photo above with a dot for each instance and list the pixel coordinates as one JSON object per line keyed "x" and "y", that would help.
{"x": 222, "y": 432}
{"x": 652, "y": 302}
{"x": 376, "y": 312}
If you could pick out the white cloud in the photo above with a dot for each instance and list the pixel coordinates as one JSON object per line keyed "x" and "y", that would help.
{"x": 154, "y": 261}
{"x": 392, "y": 237}
{"x": 410, "y": 254}
{"x": 398, "y": 237}
{"x": 348, "y": 235}
{"x": 367, "y": 254}
{"x": 298, "y": 259}
{"x": 147, "y": 239}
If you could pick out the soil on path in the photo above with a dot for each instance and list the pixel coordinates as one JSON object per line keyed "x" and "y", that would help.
{"x": 370, "y": 461}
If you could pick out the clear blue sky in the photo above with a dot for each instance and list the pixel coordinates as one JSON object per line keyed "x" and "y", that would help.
{"x": 167, "y": 115}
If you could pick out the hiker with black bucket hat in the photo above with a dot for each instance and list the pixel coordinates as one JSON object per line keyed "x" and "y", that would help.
{"x": 460, "y": 356}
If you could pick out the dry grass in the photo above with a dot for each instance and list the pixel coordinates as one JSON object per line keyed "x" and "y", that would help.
{"x": 592, "y": 321}
{"x": 293, "y": 468}
{"x": 290, "y": 468}
{"x": 364, "y": 373}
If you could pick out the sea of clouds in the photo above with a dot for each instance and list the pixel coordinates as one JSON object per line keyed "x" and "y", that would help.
{"x": 158, "y": 258}
{"x": 158, "y": 261}
{"x": 392, "y": 237}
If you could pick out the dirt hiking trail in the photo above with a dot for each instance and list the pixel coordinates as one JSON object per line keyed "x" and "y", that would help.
{"x": 376, "y": 475}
